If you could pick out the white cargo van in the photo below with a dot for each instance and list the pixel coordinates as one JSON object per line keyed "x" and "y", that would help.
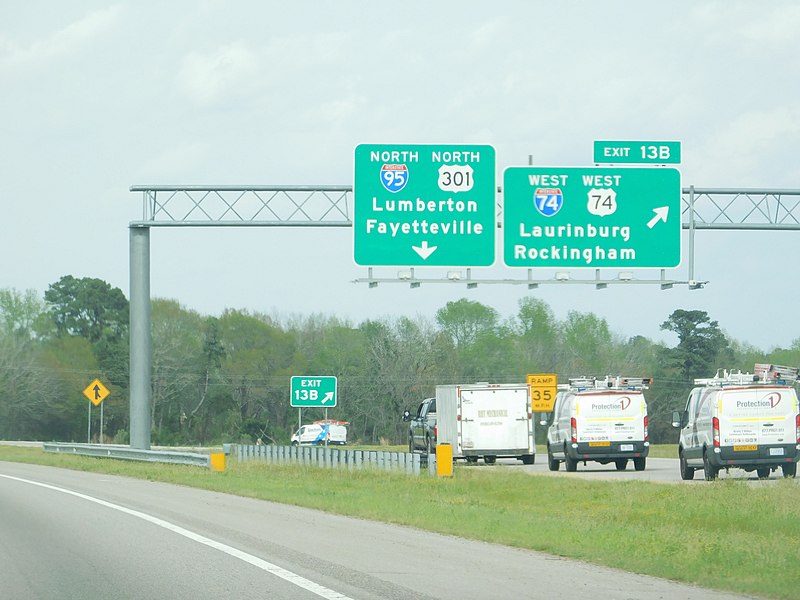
{"x": 321, "y": 433}
{"x": 742, "y": 420}
{"x": 599, "y": 420}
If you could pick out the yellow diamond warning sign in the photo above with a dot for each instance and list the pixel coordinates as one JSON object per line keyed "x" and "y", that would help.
{"x": 96, "y": 392}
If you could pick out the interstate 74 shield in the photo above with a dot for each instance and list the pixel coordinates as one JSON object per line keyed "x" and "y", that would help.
{"x": 548, "y": 201}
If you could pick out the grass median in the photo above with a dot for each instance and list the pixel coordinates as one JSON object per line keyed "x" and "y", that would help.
{"x": 730, "y": 535}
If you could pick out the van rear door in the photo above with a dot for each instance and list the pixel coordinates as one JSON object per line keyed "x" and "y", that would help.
{"x": 778, "y": 409}
{"x": 608, "y": 417}
{"x": 757, "y": 416}
{"x": 494, "y": 419}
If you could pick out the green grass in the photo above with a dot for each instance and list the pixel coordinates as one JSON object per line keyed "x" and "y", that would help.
{"x": 663, "y": 451}
{"x": 728, "y": 535}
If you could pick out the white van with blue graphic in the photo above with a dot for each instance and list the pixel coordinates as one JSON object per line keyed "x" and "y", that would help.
{"x": 321, "y": 433}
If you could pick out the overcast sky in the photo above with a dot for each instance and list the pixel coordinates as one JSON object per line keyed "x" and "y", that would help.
{"x": 98, "y": 96}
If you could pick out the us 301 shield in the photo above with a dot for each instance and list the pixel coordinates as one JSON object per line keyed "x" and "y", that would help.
{"x": 455, "y": 178}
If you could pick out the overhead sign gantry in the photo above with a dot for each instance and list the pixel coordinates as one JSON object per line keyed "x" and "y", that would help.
{"x": 328, "y": 206}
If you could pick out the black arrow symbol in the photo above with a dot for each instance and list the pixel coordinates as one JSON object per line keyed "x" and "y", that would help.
{"x": 96, "y": 392}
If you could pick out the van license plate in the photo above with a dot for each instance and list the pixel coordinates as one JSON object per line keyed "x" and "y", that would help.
{"x": 776, "y": 451}
{"x": 626, "y": 448}
{"x": 593, "y": 444}
{"x": 752, "y": 448}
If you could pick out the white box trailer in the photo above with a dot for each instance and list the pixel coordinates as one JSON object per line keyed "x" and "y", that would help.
{"x": 484, "y": 420}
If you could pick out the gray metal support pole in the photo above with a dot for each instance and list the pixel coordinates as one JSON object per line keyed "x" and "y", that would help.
{"x": 691, "y": 234}
{"x": 141, "y": 344}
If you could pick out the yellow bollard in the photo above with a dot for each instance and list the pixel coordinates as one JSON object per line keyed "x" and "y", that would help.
{"x": 444, "y": 460}
{"x": 218, "y": 461}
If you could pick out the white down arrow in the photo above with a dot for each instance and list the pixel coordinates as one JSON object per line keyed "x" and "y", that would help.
{"x": 424, "y": 250}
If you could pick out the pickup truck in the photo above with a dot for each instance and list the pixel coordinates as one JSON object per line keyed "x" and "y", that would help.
{"x": 422, "y": 427}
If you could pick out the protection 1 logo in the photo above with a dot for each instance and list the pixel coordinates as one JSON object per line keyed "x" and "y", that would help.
{"x": 394, "y": 177}
{"x": 774, "y": 399}
{"x": 548, "y": 201}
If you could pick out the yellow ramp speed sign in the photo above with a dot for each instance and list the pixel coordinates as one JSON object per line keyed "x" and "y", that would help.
{"x": 543, "y": 388}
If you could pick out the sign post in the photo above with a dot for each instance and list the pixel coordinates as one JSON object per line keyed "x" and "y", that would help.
{"x": 592, "y": 217}
{"x": 96, "y": 392}
{"x": 424, "y": 205}
{"x": 313, "y": 391}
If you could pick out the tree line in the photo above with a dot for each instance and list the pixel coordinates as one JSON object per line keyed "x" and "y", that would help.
{"x": 226, "y": 378}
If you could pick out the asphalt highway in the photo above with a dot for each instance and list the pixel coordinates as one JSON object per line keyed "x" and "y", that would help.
{"x": 69, "y": 534}
{"x": 664, "y": 470}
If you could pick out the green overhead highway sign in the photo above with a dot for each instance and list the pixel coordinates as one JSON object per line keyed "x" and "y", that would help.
{"x": 313, "y": 391}
{"x": 592, "y": 217}
{"x": 656, "y": 153}
{"x": 424, "y": 205}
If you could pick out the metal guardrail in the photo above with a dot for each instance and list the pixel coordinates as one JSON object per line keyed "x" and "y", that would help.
{"x": 128, "y": 453}
{"x": 316, "y": 456}
{"x": 333, "y": 458}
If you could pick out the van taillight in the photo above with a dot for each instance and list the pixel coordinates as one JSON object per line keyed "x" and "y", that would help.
{"x": 574, "y": 426}
{"x": 715, "y": 426}
{"x": 797, "y": 427}
{"x": 645, "y": 428}
{"x": 436, "y": 432}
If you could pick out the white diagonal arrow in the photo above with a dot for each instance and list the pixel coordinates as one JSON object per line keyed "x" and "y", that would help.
{"x": 328, "y": 396}
{"x": 424, "y": 250}
{"x": 661, "y": 215}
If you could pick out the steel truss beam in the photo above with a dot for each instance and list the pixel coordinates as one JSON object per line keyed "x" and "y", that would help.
{"x": 332, "y": 206}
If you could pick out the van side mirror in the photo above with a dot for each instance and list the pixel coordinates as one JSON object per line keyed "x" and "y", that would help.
{"x": 406, "y": 415}
{"x": 677, "y": 418}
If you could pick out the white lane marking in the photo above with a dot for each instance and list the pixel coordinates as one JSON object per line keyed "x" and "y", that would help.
{"x": 297, "y": 580}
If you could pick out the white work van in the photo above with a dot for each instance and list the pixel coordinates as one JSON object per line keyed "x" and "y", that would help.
{"x": 321, "y": 433}
{"x": 484, "y": 420}
{"x": 599, "y": 420}
{"x": 742, "y": 420}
